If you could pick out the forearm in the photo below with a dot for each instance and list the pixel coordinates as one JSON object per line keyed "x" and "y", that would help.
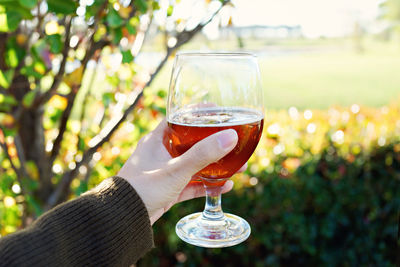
{"x": 106, "y": 226}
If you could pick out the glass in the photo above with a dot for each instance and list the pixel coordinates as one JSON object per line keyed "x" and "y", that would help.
{"x": 210, "y": 92}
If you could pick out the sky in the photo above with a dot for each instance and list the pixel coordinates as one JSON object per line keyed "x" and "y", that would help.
{"x": 317, "y": 18}
{"x": 328, "y": 18}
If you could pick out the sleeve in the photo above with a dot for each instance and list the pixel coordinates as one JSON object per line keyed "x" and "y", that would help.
{"x": 107, "y": 226}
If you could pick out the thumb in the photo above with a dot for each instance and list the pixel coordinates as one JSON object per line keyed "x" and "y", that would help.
{"x": 203, "y": 153}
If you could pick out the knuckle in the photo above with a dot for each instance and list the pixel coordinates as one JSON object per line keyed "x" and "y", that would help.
{"x": 175, "y": 171}
{"x": 202, "y": 154}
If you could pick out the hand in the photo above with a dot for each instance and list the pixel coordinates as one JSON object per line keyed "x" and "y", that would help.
{"x": 162, "y": 181}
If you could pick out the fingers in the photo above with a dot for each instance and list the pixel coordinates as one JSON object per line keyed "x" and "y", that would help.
{"x": 196, "y": 189}
{"x": 227, "y": 186}
{"x": 161, "y": 126}
{"x": 203, "y": 153}
{"x": 243, "y": 168}
{"x": 157, "y": 214}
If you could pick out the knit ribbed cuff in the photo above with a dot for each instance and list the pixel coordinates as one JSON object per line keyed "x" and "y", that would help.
{"x": 127, "y": 215}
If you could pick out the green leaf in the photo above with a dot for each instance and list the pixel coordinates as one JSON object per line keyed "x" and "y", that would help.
{"x": 30, "y": 71}
{"x": 11, "y": 58}
{"x": 4, "y": 108}
{"x": 6, "y": 77}
{"x": 9, "y": 21}
{"x": 62, "y": 6}
{"x": 131, "y": 29}
{"x": 7, "y": 6}
{"x": 170, "y": 10}
{"x": 113, "y": 19}
{"x": 93, "y": 9}
{"x": 55, "y": 43}
{"x": 82, "y": 188}
{"x": 28, "y": 3}
{"x": 142, "y": 5}
{"x": 134, "y": 21}
{"x": 127, "y": 56}
{"x": 81, "y": 144}
{"x": 156, "y": 6}
{"x": 162, "y": 93}
{"x": 113, "y": 80}
{"x": 162, "y": 110}
{"x": 117, "y": 36}
{"x": 14, "y": 53}
{"x": 9, "y": 131}
{"x": 107, "y": 98}
{"x": 8, "y": 99}
{"x": 55, "y": 115}
{"x": 39, "y": 67}
{"x": 34, "y": 204}
{"x": 28, "y": 99}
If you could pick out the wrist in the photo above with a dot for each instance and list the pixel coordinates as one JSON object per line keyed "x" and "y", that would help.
{"x": 138, "y": 187}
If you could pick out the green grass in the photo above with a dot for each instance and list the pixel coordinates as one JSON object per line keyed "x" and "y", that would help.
{"x": 323, "y": 80}
{"x": 333, "y": 75}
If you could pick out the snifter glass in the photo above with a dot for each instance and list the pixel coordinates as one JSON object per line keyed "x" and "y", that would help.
{"x": 208, "y": 93}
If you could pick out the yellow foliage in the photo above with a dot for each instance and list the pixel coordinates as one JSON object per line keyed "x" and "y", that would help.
{"x": 58, "y": 102}
{"x": 124, "y": 12}
{"x": 7, "y": 120}
{"x": 291, "y": 164}
{"x": 12, "y": 151}
{"x": 39, "y": 68}
{"x": 74, "y": 78}
{"x": 21, "y": 39}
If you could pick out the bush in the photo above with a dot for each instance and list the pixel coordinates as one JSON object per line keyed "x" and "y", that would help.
{"x": 331, "y": 204}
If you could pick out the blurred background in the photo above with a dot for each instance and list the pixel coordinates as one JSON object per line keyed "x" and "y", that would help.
{"x": 82, "y": 81}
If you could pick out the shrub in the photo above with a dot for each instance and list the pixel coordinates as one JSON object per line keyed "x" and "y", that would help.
{"x": 322, "y": 198}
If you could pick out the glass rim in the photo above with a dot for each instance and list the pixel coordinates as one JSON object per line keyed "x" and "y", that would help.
{"x": 215, "y": 54}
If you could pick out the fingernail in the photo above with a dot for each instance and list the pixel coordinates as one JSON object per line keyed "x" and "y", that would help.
{"x": 227, "y": 138}
{"x": 229, "y": 184}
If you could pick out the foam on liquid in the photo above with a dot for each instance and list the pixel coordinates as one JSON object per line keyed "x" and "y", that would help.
{"x": 210, "y": 117}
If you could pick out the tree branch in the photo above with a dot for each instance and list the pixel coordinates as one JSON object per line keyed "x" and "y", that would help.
{"x": 63, "y": 126}
{"x": 21, "y": 154}
{"x": 17, "y": 171}
{"x": 93, "y": 46}
{"x": 41, "y": 99}
{"x": 40, "y": 19}
{"x": 67, "y": 178}
{"x": 186, "y": 36}
{"x": 71, "y": 100}
{"x": 85, "y": 101}
{"x": 3, "y": 44}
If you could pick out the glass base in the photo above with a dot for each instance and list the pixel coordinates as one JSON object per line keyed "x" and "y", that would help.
{"x": 227, "y": 231}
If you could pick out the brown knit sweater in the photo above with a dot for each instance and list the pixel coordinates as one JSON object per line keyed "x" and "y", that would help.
{"x": 107, "y": 226}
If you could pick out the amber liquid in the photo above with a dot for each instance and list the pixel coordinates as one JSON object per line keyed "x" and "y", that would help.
{"x": 186, "y": 129}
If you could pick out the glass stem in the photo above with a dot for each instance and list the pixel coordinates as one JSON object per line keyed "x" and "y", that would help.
{"x": 212, "y": 210}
